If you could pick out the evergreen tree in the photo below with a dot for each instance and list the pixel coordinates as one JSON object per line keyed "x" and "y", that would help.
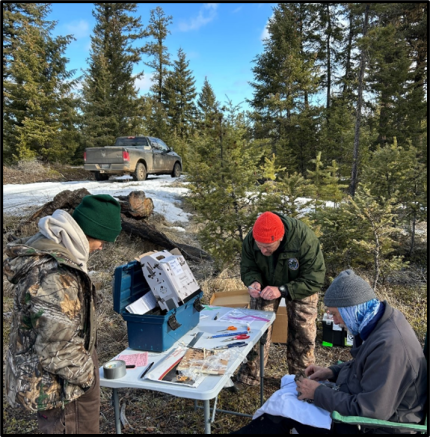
{"x": 180, "y": 92}
{"x": 207, "y": 106}
{"x": 221, "y": 176}
{"x": 395, "y": 170}
{"x": 39, "y": 106}
{"x": 328, "y": 34}
{"x": 111, "y": 103}
{"x": 376, "y": 221}
{"x": 284, "y": 194}
{"x": 156, "y": 49}
{"x": 397, "y": 71}
{"x": 284, "y": 81}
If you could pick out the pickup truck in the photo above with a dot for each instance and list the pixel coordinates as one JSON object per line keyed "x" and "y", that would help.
{"x": 137, "y": 156}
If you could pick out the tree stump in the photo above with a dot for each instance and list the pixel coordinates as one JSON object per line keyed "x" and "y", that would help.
{"x": 136, "y": 205}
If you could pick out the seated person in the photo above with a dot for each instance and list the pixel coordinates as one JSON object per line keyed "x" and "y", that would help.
{"x": 386, "y": 378}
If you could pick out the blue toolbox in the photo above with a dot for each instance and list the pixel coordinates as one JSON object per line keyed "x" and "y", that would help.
{"x": 159, "y": 329}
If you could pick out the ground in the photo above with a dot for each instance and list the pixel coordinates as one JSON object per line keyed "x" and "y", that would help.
{"x": 156, "y": 413}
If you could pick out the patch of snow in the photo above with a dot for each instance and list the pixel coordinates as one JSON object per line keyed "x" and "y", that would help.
{"x": 177, "y": 228}
{"x": 17, "y": 197}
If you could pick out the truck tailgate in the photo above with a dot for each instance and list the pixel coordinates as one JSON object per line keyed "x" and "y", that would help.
{"x": 104, "y": 155}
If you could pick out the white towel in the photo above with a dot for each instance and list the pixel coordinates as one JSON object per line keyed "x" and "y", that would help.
{"x": 284, "y": 402}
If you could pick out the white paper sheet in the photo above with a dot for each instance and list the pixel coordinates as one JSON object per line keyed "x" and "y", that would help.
{"x": 284, "y": 402}
{"x": 142, "y": 305}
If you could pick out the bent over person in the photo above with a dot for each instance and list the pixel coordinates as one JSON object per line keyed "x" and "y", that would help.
{"x": 51, "y": 364}
{"x": 281, "y": 257}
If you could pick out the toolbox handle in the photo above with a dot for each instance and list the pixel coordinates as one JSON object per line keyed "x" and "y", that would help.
{"x": 173, "y": 323}
{"x": 198, "y": 305}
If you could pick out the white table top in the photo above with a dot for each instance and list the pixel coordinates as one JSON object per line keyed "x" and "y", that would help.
{"x": 211, "y": 385}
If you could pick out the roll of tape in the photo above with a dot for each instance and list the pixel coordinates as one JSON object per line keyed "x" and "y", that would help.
{"x": 114, "y": 369}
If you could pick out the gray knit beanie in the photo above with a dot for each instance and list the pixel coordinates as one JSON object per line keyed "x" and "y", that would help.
{"x": 348, "y": 290}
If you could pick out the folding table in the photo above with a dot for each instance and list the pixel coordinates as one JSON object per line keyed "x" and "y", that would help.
{"x": 211, "y": 386}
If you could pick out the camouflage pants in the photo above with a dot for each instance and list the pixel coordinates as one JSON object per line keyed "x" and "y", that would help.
{"x": 302, "y": 332}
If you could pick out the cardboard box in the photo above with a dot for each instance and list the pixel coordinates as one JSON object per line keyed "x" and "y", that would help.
{"x": 169, "y": 277}
{"x": 280, "y": 326}
{"x": 240, "y": 299}
{"x": 158, "y": 330}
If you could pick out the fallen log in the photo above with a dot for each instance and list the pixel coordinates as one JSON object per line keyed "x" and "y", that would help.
{"x": 134, "y": 208}
{"x": 148, "y": 232}
{"x": 66, "y": 200}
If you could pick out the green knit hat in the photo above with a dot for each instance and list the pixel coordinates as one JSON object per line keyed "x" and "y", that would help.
{"x": 99, "y": 216}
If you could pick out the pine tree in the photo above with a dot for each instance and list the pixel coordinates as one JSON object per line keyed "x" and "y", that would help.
{"x": 285, "y": 79}
{"x": 180, "y": 92}
{"x": 396, "y": 170}
{"x": 284, "y": 194}
{"x": 207, "y": 106}
{"x": 221, "y": 175}
{"x": 39, "y": 107}
{"x": 376, "y": 221}
{"x": 111, "y": 103}
{"x": 158, "y": 30}
{"x": 397, "y": 65}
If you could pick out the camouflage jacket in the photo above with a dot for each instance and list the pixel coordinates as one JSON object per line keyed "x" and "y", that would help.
{"x": 53, "y": 330}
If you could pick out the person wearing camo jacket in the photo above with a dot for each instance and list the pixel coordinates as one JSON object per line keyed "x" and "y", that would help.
{"x": 281, "y": 257}
{"x": 51, "y": 363}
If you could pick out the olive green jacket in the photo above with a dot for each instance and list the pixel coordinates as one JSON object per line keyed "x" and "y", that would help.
{"x": 53, "y": 329}
{"x": 300, "y": 264}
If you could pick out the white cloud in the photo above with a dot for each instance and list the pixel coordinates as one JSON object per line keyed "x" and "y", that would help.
{"x": 265, "y": 33}
{"x": 237, "y": 9}
{"x": 144, "y": 83}
{"x": 79, "y": 29}
{"x": 206, "y": 14}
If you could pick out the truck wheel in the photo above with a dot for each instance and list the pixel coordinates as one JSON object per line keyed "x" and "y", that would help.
{"x": 176, "y": 172}
{"x": 101, "y": 176}
{"x": 140, "y": 172}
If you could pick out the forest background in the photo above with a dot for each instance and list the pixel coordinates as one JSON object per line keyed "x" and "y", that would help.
{"x": 353, "y": 168}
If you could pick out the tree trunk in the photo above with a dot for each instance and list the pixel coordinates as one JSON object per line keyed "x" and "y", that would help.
{"x": 148, "y": 232}
{"x": 353, "y": 184}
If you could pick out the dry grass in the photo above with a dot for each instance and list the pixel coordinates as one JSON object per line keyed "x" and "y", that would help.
{"x": 27, "y": 172}
{"x": 157, "y": 413}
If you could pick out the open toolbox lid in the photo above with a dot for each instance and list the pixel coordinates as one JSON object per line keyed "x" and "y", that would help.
{"x": 130, "y": 284}
{"x": 169, "y": 277}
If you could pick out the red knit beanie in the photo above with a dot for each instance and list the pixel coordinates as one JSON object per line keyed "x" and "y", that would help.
{"x": 268, "y": 228}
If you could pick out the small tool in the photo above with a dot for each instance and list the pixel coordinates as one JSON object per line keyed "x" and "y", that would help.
{"x": 147, "y": 370}
{"x": 216, "y": 317}
{"x": 195, "y": 339}
{"x": 230, "y": 328}
{"x": 238, "y": 337}
{"x": 230, "y": 334}
{"x": 228, "y": 346}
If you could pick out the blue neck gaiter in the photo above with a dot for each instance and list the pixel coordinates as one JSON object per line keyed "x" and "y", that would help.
{"x": 356, "y": 317}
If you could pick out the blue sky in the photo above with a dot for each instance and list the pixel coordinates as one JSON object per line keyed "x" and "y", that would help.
{"x": 220, "y": 41}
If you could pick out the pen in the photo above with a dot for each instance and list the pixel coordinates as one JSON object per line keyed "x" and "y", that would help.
{"x": 216, "y": 317}
{"x": 146, "y": 370}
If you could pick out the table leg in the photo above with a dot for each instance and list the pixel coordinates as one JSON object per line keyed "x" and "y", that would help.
{"x": 262, "y": 342}
{"x": 207, "y": 412}
{"x": 116, "y": 410}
